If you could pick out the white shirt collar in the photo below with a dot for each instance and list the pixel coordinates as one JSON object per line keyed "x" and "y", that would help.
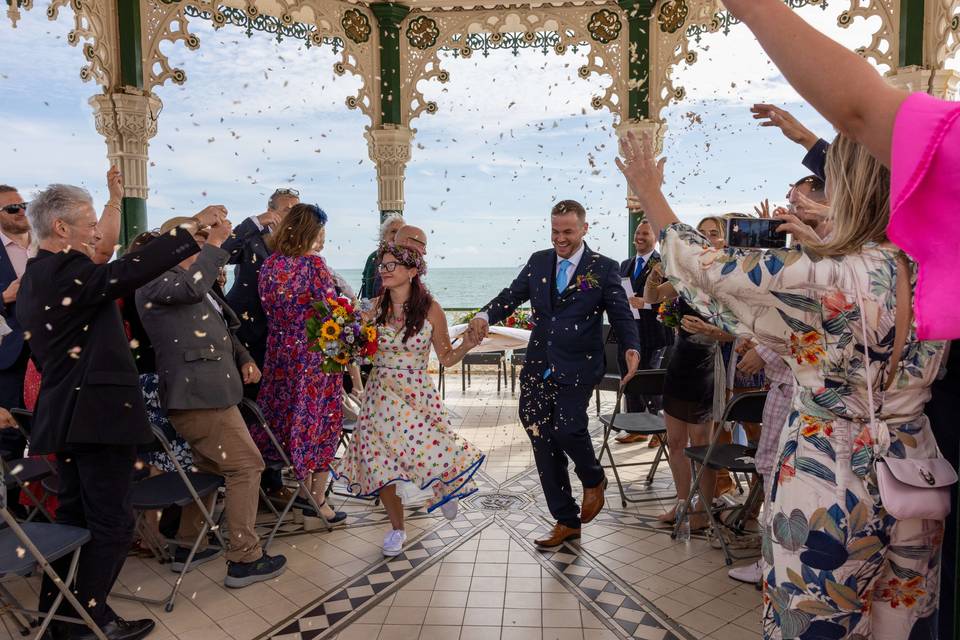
{"x": 646, "y": 256}
{"x": 575, "y": 258}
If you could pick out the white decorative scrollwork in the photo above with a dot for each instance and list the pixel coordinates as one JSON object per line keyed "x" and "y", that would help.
{"x": 944, "y": 41}
{"x": 569, "y": 23}
{"x": 14, "y": 7}
{"x": 884, "y": 47}
{"x": 95, "y": 24}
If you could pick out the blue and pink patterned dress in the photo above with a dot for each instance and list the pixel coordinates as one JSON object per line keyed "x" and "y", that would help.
{"x": 302, "y": 404}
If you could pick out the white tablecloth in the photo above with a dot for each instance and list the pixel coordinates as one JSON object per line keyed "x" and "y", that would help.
{"x": 500, "y": 338}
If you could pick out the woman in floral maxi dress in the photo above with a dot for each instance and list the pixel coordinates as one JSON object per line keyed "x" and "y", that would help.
{"x": 403, "y": 443}
{"x": 300, "y": 402}
{"x": 836, "y": 564}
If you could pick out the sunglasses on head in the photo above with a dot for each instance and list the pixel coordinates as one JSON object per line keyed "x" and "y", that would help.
{"x": 14, "y": 208}
{"x": 286, "y": 192}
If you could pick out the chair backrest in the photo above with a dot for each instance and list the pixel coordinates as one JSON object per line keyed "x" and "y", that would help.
{"x": 648, "y": 382}
{"x": 745, "y": 407}
{"x": 24, "y": 420}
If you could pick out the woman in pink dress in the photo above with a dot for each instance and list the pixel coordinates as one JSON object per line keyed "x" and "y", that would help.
{"x": 301, "y": 403}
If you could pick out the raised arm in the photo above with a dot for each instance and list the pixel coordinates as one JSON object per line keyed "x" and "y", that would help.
{"x": 446, "y": 353}
{"x": 187, "y": 286}
{"x": 242, "y": 234}
{"x": 109, "y": 222}
{"x": 836, "y": 81}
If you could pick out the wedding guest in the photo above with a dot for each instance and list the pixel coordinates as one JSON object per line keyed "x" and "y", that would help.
{"x": 202, "y": 367}
{"x": 370, "y": 287}
{"x": 916, "y": 135}
{"x": 413, "y": 237}
{"x": 90, "y": 411}
{"x": 300, "y": 401}
{"x": 403, "y": 445}
{"x": 248, "y": 250}
{"x": 694, "y": 390}
{"x": 654, "y": 336}
{"x": 794, "y": 305}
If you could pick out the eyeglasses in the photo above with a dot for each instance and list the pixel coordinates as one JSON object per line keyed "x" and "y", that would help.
{"x": 387, "y": 267}
{"x": 14, "y": 208}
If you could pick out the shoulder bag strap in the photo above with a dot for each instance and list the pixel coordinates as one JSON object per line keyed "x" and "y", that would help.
{"x": 904, "y": 315}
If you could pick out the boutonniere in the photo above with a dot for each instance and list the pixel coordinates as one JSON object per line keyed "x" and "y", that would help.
{"x": 586, "y": 282}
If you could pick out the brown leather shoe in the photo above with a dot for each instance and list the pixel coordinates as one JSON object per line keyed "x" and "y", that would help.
{"x": 592, "y": 502}
{"x": 629, "y": 438}
{"x": 559, "y": 535}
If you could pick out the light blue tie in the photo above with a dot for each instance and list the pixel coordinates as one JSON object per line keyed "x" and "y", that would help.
{"x": 639, "y": 268}
{"x": 562, "y": 278}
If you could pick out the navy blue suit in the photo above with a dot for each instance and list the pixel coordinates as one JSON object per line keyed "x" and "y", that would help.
{"x": 248, "y": 249}
{"x": 567, "y": 339}
{"x": 816, "y": 159}
{"x": 14, "y": 354}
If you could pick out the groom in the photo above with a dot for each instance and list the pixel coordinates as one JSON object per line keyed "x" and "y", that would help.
{"x": 569, "y": 287}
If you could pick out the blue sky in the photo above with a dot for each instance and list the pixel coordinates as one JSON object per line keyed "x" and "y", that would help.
{"x": 512, "y": 136}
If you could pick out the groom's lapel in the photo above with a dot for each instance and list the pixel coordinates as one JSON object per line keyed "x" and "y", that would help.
{"x": 548, "y": 269}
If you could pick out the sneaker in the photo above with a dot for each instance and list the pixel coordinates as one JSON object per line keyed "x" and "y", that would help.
{"x": 751, "y": 573}
{"x": 243, "y": 574}
{"x": 201, "y": 556}
{"x": 393, "y": 543}
{"x": 450, "y": 509}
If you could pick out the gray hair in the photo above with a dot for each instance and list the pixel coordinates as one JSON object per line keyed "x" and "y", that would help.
{"x": 56, "y": 202}
{"x": 388, "y": 221}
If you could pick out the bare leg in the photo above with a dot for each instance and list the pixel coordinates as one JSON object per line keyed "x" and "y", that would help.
{"x": 317, "y": 484}
{"x": 679, "y": 465}
{"x": 393, "y": 506}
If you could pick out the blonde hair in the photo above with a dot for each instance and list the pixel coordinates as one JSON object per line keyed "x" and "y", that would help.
{"x": 859, "y": 188}
{"x": 717, "y": 220}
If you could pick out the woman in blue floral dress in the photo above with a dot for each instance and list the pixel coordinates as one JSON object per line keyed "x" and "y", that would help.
{"x": 836, "y": 563}
{"x": 301, "y": 403}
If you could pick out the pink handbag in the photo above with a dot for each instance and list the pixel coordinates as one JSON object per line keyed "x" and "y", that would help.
{"x": 909, "y": 487}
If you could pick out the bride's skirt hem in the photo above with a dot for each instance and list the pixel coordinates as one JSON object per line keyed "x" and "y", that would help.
{"x": 461, "y": 480}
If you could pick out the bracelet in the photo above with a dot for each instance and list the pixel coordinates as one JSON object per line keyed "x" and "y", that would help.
{"x": 117, "y": 206}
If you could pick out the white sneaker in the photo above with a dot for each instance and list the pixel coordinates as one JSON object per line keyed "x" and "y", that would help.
{"x": 450, "y": 509}
{"x": 393, "y": 543}
{"x": 751, "y": 573}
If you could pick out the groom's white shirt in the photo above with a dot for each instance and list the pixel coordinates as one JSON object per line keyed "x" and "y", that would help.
{"x": 571, "y": 269}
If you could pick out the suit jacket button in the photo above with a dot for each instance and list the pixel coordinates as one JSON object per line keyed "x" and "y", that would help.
{"x": 549, "y": 343}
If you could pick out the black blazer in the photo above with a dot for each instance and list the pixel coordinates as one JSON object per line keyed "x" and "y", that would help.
{"x": 248, "y": 250}
{"x": 90, "y": 389}
{"x": 568, "y": 328}
{"x": 12, "y": 344}
{"x": 627, "y": 268}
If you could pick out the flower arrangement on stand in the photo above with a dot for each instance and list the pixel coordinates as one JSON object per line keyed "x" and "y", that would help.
{"x": 336, "y": 328}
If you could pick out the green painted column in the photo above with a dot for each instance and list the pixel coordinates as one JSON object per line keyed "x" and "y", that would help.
{"x": 134, "y": 210}
{"x": 911, "y": 33}
{"x": 389, "y": 16}
{"x": 639, "y": 26}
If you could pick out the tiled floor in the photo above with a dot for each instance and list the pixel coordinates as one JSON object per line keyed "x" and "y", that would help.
{"x": 477, "y": 578}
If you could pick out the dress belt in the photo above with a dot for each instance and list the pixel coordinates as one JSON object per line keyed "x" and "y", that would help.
{"x": 383, "y": 366}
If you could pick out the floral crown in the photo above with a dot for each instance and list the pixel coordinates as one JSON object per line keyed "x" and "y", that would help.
{"x": 406, "y": 256}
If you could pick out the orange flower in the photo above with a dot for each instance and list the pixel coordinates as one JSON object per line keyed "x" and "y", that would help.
{"x": 836, "y": 303}
{"x": 863, "y": 439}
{"x": 813, "y": 426}
{"x": 905, "y": 593}
{"x": 807, "y": 348}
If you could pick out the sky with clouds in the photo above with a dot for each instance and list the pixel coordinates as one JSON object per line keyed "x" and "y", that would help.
{"x": 513, "y": 134}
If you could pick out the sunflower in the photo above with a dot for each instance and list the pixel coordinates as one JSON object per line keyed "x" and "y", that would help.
{"x": 342, "y": 359}
{"x": 371, "y": 334}
{"x": 339, "y": 312}
{"x": 330, "y": 330}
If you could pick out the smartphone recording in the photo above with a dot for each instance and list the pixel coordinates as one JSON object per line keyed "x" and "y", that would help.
{"x": 755, "y": 233}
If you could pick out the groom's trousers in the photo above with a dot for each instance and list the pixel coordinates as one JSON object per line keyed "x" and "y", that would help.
{"x": 555, "y": 418}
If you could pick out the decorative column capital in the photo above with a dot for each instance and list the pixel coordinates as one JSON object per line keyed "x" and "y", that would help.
{"x": 656, "y": 129}
{"x": 389, "y": 149}
{"x": 941, "y": 83}
{"x": 389, "y": 14}
{"x": 128, "y": 121}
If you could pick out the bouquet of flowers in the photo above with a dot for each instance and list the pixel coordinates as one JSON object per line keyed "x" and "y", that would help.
{"x": 669, "y": 313}
{"x": 519, "y": 320}
{"x": 335, "y": 327}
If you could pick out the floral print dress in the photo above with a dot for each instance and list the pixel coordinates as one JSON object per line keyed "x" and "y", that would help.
{"x": 836, "y": 564}
{"x": 302, "y": 404}
{"x": 403, "y": 435}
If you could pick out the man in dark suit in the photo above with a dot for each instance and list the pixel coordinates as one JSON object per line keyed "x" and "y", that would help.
{"x": 14, "y": 352}
{"x": 248, "y": 249}
{"x": 569, "y": 287}
{"x": 653, "y": 335}
{"x": 90, "y": 410}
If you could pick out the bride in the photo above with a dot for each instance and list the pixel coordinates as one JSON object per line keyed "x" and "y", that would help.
{"x": 403, "y": 444}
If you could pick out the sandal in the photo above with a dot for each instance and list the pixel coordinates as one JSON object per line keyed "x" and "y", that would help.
{"x": 310, "y": 512}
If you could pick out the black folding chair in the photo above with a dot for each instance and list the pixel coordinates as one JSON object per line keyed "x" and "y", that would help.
{"x": 174, "y": 488}
{"x": 252, "y": 415}
{"x": 478, "y": 359}
{"x": 24, "y": 548}
{"x": 517, "y": 359}
{"x": 743, "y": 407}
{"x": 611, "y": 376}
{"x": 24, "y": 471}
{"x": 646, "y": 382}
